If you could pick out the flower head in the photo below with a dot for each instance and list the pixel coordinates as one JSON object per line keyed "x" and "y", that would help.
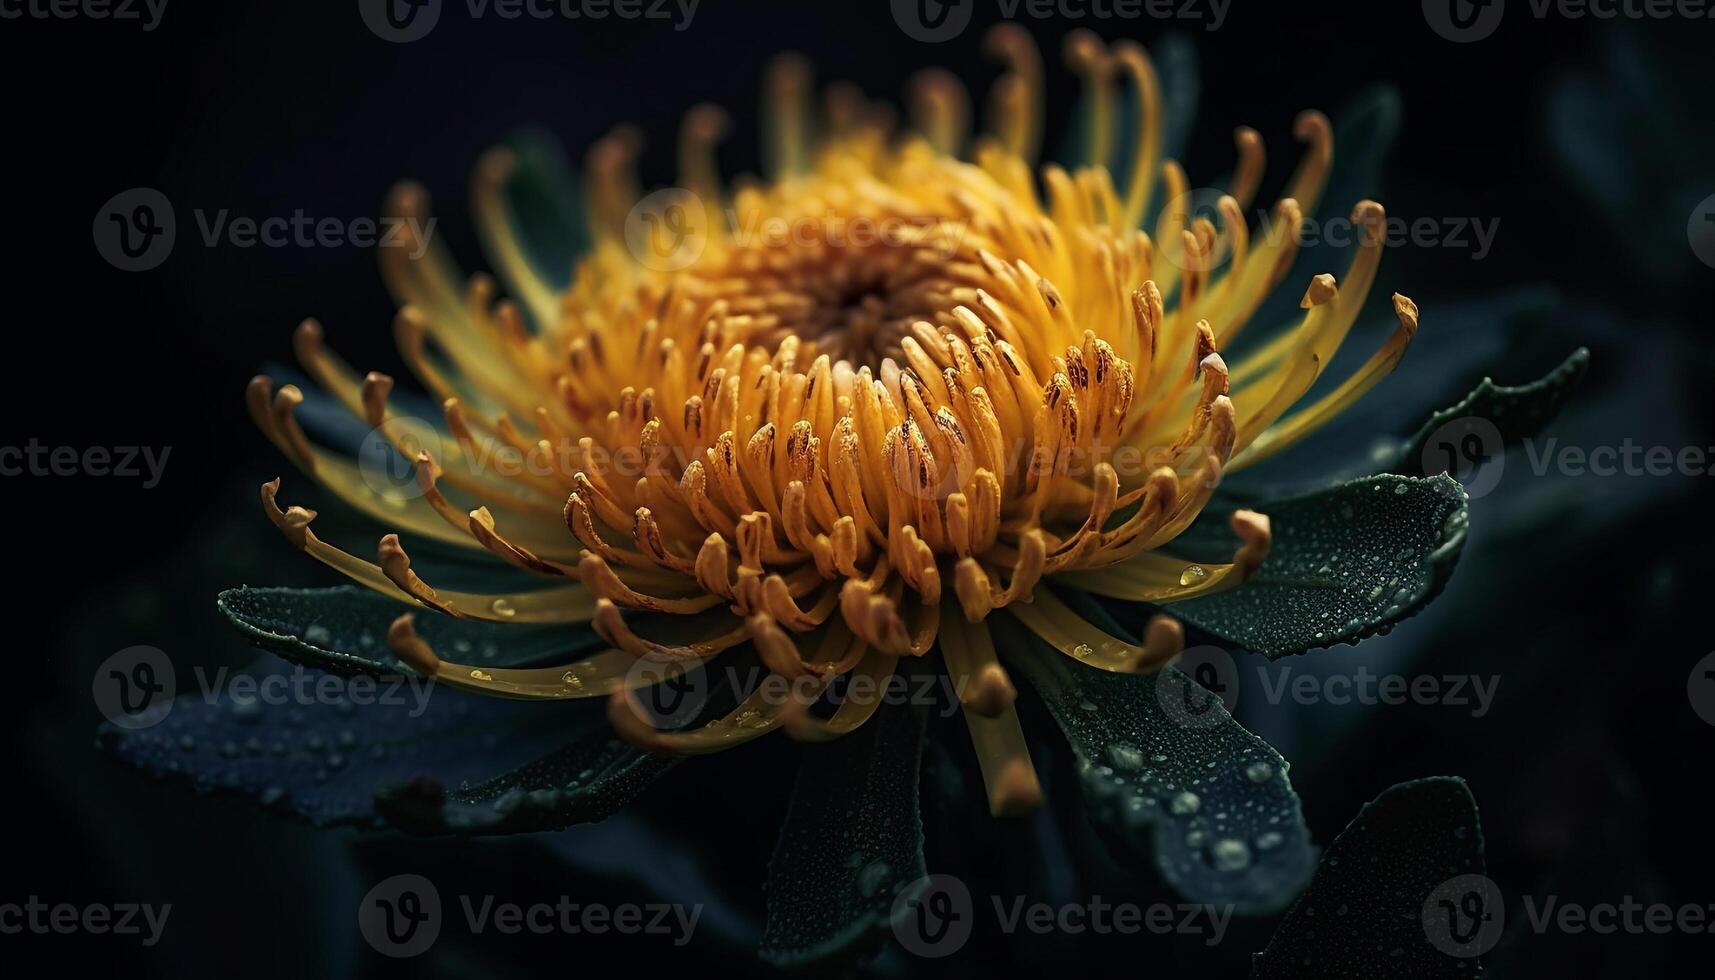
{"x": 897, "y": 393}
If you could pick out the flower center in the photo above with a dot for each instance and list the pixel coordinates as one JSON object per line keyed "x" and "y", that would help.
{"x": 849, "y": 287}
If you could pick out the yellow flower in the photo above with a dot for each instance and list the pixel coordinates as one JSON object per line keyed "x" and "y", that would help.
{"x": 848, "y": 414}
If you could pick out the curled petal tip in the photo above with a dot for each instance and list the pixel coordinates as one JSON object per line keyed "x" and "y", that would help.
{"x": 403, "y": 640}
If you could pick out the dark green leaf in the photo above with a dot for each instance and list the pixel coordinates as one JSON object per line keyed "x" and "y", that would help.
{"x": 1202, "y": 801}
{"x": 1516, "y": 413}
{"x": 853, "y": 838}
{"x": 1348, "y": 562}
{"x": 319, "y": 746}
{"x": 343, "y": 630}
{"x": 328, "y": 740}
{"x": 589, "y": 779}
{"x": 1363, "y": 915}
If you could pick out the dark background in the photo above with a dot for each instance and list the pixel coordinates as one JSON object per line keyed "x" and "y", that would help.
{"x": 1589, "y": 607}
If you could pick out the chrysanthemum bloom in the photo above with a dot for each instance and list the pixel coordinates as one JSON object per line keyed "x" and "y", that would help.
{"x": 906, "y": 392}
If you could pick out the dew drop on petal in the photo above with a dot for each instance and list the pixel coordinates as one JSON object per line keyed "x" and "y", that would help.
{"x": 1186, "y": 802}
{"x": 1125, "y": 756}
{"x": 1230, "y": 855}
{"x": 872, "y": 877}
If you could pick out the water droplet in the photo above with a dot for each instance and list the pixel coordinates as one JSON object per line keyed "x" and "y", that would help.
{"x": 477, "y": 675}
{"x": 1186, "y": 802}
{"x": 317, "y": 634}
{"x": 1270, "y": 841}
{"x": 1230, "y": 855}
{"x": 1083, "y": 650}
{"x": 1193, "y": 574}
{"x": 872, "y": 877}
{"x": 572, "y": 680}
{"x": 1259, "y": 772}
{"x": 1125, "y": 756}
{"x": 502, "y": 607}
